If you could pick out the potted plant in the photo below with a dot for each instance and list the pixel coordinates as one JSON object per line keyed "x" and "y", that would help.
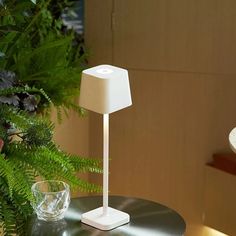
{"x": 43, "y": 53}
{"x": 38, "y": 58}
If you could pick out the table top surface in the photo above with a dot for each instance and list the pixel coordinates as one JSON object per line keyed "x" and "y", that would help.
{"x": 147, "y": 218}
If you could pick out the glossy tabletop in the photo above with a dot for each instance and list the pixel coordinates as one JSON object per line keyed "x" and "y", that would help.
{"x": 147, "y": 218}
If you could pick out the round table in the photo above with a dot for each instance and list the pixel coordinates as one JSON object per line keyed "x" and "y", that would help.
{"x": 147, "y": 218}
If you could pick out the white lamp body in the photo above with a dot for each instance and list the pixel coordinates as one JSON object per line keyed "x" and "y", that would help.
{"x": 105, "y": 89}
{"x": 112, "y": 219}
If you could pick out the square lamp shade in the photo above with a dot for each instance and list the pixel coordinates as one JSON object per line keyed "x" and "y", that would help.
{"x": 105, "y": 89}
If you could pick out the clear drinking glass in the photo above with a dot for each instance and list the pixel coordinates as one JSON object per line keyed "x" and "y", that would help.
{"x": 51, "y": 199}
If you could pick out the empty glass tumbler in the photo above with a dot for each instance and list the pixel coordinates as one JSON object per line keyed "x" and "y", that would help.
{"x": 51, "y": 199}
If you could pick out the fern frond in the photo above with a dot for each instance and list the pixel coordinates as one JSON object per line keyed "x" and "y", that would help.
{"x": 88, "y": 187}
{"x": 59, "y": 114}
{"x": 19, "y": 118}
{"x": 18, "y": 201}
{"x": 22, "y": 206}
{"x": 13, "y": 90}
{"x": 44, "y": 161}
{"x": 33, "y": 129}
{"x": 23, "y": 181}
{"x": 17, "y": 180}
{"x": 49, "y": 163}
{"x": 7, "y": 172}
{"x": 85, "y": 164}
{"x": 13, "y": 211}
{"x": 7, "y": 216}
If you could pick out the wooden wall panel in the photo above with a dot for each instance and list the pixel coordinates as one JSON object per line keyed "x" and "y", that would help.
{"x": 183, "y": 35}
{"x": 177, "y": 123}
{"x": 180, "y": 56}
{"x": 72, "y": 135}
{"x": 220, "y": 194}
{"x": 159, "y": 146}
{"x": 98, "y": 37}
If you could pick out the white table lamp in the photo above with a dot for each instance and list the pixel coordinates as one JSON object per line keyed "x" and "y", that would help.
{"x": 105, "y": 89}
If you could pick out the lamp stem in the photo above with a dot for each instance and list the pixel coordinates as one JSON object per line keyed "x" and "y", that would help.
{"x": 105, "y": 161}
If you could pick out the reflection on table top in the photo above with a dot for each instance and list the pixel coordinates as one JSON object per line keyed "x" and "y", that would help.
{"x": 147, "y": 218}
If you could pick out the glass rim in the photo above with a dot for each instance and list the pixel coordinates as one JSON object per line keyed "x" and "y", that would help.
{"x": 67, "y": 187}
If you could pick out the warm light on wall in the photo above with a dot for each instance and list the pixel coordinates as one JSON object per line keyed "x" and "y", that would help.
{"x": 212, "y": 232}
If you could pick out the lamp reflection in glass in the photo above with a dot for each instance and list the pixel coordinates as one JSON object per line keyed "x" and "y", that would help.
{"x": 105, "y": 89}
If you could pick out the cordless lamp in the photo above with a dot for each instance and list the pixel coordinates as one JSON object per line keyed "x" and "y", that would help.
{"x": 105, "y": 89}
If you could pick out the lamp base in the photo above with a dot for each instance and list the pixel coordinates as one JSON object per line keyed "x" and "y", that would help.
{"x": 99, "y": 220}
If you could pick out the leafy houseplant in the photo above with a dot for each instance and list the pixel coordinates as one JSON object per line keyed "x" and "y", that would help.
{"x": 28, "y": 152}
{"x": 47, "y": 60}
{"x": 43, "y": 53}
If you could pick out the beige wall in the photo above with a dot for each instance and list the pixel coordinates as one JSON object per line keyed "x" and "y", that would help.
{"x": 72, "y": 135}
{"x": 181, "y": 59}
